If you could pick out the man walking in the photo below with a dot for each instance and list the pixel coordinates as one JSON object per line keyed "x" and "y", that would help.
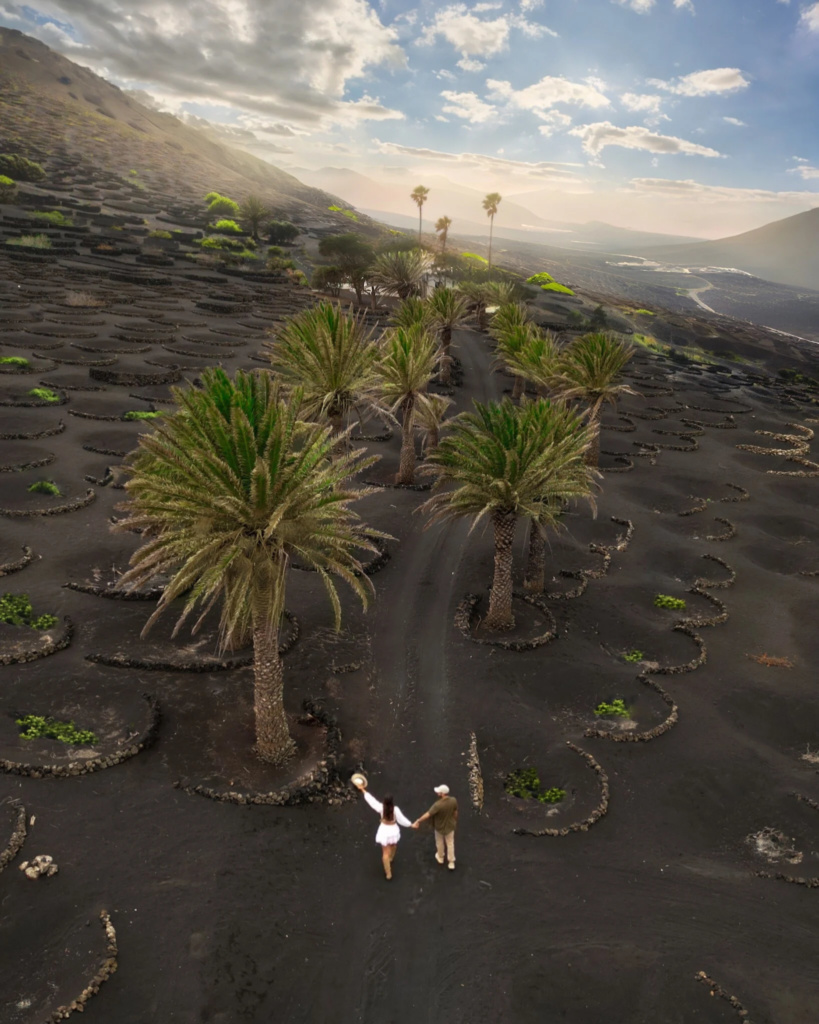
{"x": 444, "y": 817}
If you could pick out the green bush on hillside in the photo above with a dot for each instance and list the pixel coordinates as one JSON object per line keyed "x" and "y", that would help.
{"x": 227, "y": 225}
{"x": 16, "y": 610}
{"x": 541, "y": 278}
{"x": 160, "y": 234}
{"x": 667, "y": 601}
{"x": 222, "y": 205}
{"x": 55, "y": 218}
{"x": 616, "y": 709}
{"x": 525, "y": 784}
{"x": 475, "y": 256}
{"x": 8, "y": 188}
{"x": 34, "y": 726}
{"x": 13, "y": 361}
{"x": 45, "y": 487}
{"x": 19, "y": 168}
{"x": 31, "y": 241}
{"x": 141, "y": 414}
{"x": 222, "y": 242}
{"x": 555, "y": 287}
{"x": 44, "y": 394}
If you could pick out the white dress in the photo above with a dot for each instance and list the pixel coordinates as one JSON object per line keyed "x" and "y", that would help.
{"x": 388, "y": 834}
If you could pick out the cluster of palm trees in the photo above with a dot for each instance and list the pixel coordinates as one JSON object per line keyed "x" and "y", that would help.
{"x": 419, "y": 196}
{"x": 252, "y": 474}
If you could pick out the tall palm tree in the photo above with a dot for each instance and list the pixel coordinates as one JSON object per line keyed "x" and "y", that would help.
{"x": 419, "y": 196}
{"x": 508, "y": 315}
{"x": 588, "y": 370}
{"x": 491, "y": 204}
{"x": 478, "y": 298}
{"x": 330, "y": 355}
{"x": 442, "y": 226}
{"x": 408, "y": 361}
{"x": 507, "y": 461}
{"x": 430, "y": 418}
{"x": 410, "y": 312}
{"x": 402, "y": 273}
{"x": 448, "y": 310}
{"x": 227, "y": 491}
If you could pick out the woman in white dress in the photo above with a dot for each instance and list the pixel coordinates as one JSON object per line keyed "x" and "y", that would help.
{"x": 389, "y": 831}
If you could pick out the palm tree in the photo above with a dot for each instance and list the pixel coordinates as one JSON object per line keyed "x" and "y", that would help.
{"x": 531, "y": 356}
{"x": 478, "y": 297}
{"x": 442, "y": 226}
{"x": 252, "y": 213}
{"x": 588, "y": 370}
{"x": 430, "y": 418}
{"x": 448, "y": 310}
{"x": 491, "y": 204}
{"x": 419, "y": 197}
{"x": 402, "y": 273}
{"x": 409, "y": 359}
{"x": 507, "y": 461}
{"x": 410, "y": 312}
{"x": 226, "y": 492}
{"x": 330, "y": 355}
{"x": 508, "y": 315}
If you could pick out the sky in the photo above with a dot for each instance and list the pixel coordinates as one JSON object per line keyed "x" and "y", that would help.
{"x": 695, "y": 117}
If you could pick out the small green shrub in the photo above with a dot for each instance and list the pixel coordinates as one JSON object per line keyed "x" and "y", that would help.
{"x": 16, "y": 610}
{"x": 616, "y": 709}
{"x": 555, "y": 287}
{"x": 13, "y": 361}
{"x": 55, "y": 218}
{"x": 677, "y": 604}
{"x": 133, "y": 173}
{"x": 475, "y": 256}
{"x": 643, "y": 312}
{"x": 45, "y": 487}
{"x": 223, "y": 205}
{"x": 44, "y": 394}
{"x": 275, "y": 250}
{"x": 227, "y": 225}
{"x": 141, "y": 414}
{"x": 525, "y": 783}
{"x": 31, "y": 241}
{"x": 8, "y": 188}
{"x": 541, "y": 278}
{"x": 277, "y": 263}
{"x": 650, "y": 342}
{"x": 160, "y": 234}
{"x": 34, "y": 726}
{"x": 222, "y": 242}
{"x": 633, "y": 656}
{"x": 19, "y": 168}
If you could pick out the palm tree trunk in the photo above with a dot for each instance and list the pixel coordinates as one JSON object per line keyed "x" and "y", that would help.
{"x": 273, "y": 741}
{"x": 518, "y": 388}
{"x": 491, "y": 226}
{"x": 406, "y": 469}
{"x": 419, "y": 224}
{"x": 431, "y": 440}
{"x": 536, "y": 566}
{"x": 500, "y": 614}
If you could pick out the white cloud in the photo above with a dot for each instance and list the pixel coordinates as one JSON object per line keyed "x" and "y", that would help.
{"x": 640, "y": 6}
{"x": 596, "y": 137}
{"x": 219, "y": 51}
{"x": 641, "y": 102}
{"x": 704, "y": 83}
{"x": 810, "y": 18}
{"x": 805, "y": 171}
{"x": 468, "y": 106}
{"x": 530, "y": 5}
{"x": 555, "y": 120}
{"x": 665, "y": 188}
{"x": 560, "y": 173}
{"x": 686, "y": 5}
{"x": 470, "y": 64}
{"x": 478, "y": 37}
{"x": 735, "y": 121}
{"x": 547, "y": 93}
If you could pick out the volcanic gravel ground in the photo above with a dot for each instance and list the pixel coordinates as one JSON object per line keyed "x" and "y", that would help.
{"x": 227, "y": 913}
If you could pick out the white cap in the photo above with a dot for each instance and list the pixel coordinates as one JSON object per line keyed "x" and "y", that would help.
{"x": 441, "y": 790}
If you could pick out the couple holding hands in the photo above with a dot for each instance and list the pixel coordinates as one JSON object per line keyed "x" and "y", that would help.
{"x": 443, "y": 814}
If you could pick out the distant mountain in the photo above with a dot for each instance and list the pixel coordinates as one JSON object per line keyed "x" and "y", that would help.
{"x": 786, "y": 251}
{"x": 52, "y": 109}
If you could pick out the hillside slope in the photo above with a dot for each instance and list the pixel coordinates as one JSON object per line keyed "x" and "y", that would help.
{"x": 786, "y": 251}
{"x": 51, "y": 107}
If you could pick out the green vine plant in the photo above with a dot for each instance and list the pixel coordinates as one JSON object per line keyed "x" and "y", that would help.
{"x": 16, "y": 610}
{"x": 666, "y": 601}
{"x": 13, "y": 361}
{"x": 633, "y": 656}
{"x": 525, "y": 783}
{"x": 616, "y": 709}
{"x": 45, "y": 487}
{"x": 44, "y": 394}
{"x": 141, "y": 414}
{"x": 32, "y": 727}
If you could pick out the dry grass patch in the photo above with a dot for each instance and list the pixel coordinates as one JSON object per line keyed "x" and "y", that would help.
{"x": 82, "y": 300}
{"x": 771, "y": 661}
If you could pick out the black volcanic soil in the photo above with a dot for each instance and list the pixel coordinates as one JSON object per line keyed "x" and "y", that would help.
{"x": 227, "y": 913}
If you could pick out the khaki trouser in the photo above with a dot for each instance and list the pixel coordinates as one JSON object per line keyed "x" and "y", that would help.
{"x": 447, "y": 841}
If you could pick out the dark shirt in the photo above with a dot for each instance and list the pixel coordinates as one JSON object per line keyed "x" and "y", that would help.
{"x": 444, "y": 814}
